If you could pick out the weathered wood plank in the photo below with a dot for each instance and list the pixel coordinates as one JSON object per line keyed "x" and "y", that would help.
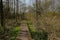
{"x": 24, "y": 33}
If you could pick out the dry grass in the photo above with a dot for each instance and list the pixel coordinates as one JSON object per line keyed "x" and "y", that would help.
{"x": 50, "y": 23}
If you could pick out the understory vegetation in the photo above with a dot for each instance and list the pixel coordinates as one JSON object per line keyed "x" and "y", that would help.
{"x": 49, "y": 26}
{"x": 37, "y": 35}
{"x": 14, "y": 33}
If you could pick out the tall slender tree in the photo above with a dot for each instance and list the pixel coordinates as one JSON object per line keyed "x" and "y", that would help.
{"x": 37, "y": 15}
{"x": 2, "y": 14}
{"x": 17, "y": 6}
{"x": 2, "y": 18}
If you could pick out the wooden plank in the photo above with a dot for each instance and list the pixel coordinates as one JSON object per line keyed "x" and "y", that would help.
{"x": 24, "y": 33}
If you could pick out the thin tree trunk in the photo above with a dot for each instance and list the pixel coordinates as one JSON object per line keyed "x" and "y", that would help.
{"x": 37, "y": 23}
{"x": 2, "y": 14}
{"x": 14, "y": 9}
{"x": 2, "y": 19}
{"x": 17, "y": 11}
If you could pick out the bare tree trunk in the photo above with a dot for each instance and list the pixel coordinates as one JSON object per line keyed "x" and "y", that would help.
{"x": 37, "y": 16}
{"x": 24, "y": 10}
{"x": 2, "y": 19}
{"x": 2, "y": 14}
{"x": 14, "y": 9}
{"x": 17, "y": 11}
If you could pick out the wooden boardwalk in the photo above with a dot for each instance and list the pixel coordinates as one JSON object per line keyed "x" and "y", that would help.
{"x": 24, "y": 32}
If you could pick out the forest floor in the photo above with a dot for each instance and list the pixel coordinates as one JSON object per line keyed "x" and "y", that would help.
{"x": 24, "y": 33}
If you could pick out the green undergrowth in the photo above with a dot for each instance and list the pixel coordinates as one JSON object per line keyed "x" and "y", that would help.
{"x": 14, "y": 33}
{"x": 10, "y": 34}
{"x": 36, "y": 35}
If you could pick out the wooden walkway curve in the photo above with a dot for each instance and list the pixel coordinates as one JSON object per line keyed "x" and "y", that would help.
{"x": 24, "y": 32}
